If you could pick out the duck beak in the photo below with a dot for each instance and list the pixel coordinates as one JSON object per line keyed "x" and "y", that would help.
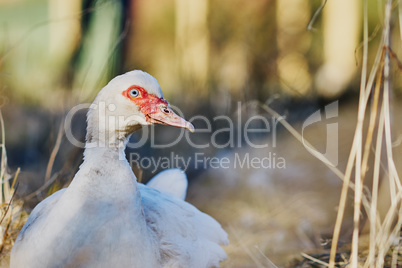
{"x": 164, "y": 115}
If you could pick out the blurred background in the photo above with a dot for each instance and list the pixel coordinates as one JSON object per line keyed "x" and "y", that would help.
{"x": 208, "y": 57}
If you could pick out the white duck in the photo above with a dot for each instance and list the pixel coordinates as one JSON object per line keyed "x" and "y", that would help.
{"x": 105, "y": 218}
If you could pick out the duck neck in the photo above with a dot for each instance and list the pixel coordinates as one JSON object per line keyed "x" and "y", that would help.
{"x": 111, "y": 153}
{"x": 106, "y": 174}
{"x": 110, "y": 145}
{"x": 105, "y": 168}
{"x": 104, "y": 145}
{"x": 106, "y": 130}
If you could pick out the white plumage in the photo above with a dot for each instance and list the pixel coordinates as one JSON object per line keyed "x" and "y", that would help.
{"x": 105, "y": 218}
{"x": 172, "y": 181}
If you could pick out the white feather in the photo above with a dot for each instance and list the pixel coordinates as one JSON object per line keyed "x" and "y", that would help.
{"x": 172, "y": 181}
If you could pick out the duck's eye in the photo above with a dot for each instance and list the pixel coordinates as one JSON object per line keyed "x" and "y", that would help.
{"x": 134, "y": 93}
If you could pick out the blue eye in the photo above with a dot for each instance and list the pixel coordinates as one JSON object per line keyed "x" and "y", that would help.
{"x": 134, "y": 93}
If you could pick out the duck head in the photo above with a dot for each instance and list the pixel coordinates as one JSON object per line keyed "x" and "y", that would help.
{"x": 126, "y": 103}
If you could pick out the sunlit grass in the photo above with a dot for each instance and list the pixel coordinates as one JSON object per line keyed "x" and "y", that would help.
{"x": 12, "y": 216}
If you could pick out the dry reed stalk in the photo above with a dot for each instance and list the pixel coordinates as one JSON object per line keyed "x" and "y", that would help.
{"x": 3, "y": 162}
{"x": 314, "y": 18}
{"x": 302, "y": 140}
{"x": 373, "y": 215}
{"x": 43, "y": 187}
{"x": 315, "y": 260}
{"x": 54, "y": 152}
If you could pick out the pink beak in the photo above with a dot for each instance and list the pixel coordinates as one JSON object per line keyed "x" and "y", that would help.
{"x": 165, "y": 116}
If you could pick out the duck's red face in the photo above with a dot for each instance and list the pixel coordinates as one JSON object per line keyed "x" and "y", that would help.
{"x": 155, "y": 109}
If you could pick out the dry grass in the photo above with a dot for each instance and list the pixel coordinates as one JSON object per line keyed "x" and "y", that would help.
{"x": 382, "y": 245}
{"x": 385, "y": 232}
{"x": 12, "y": 216}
